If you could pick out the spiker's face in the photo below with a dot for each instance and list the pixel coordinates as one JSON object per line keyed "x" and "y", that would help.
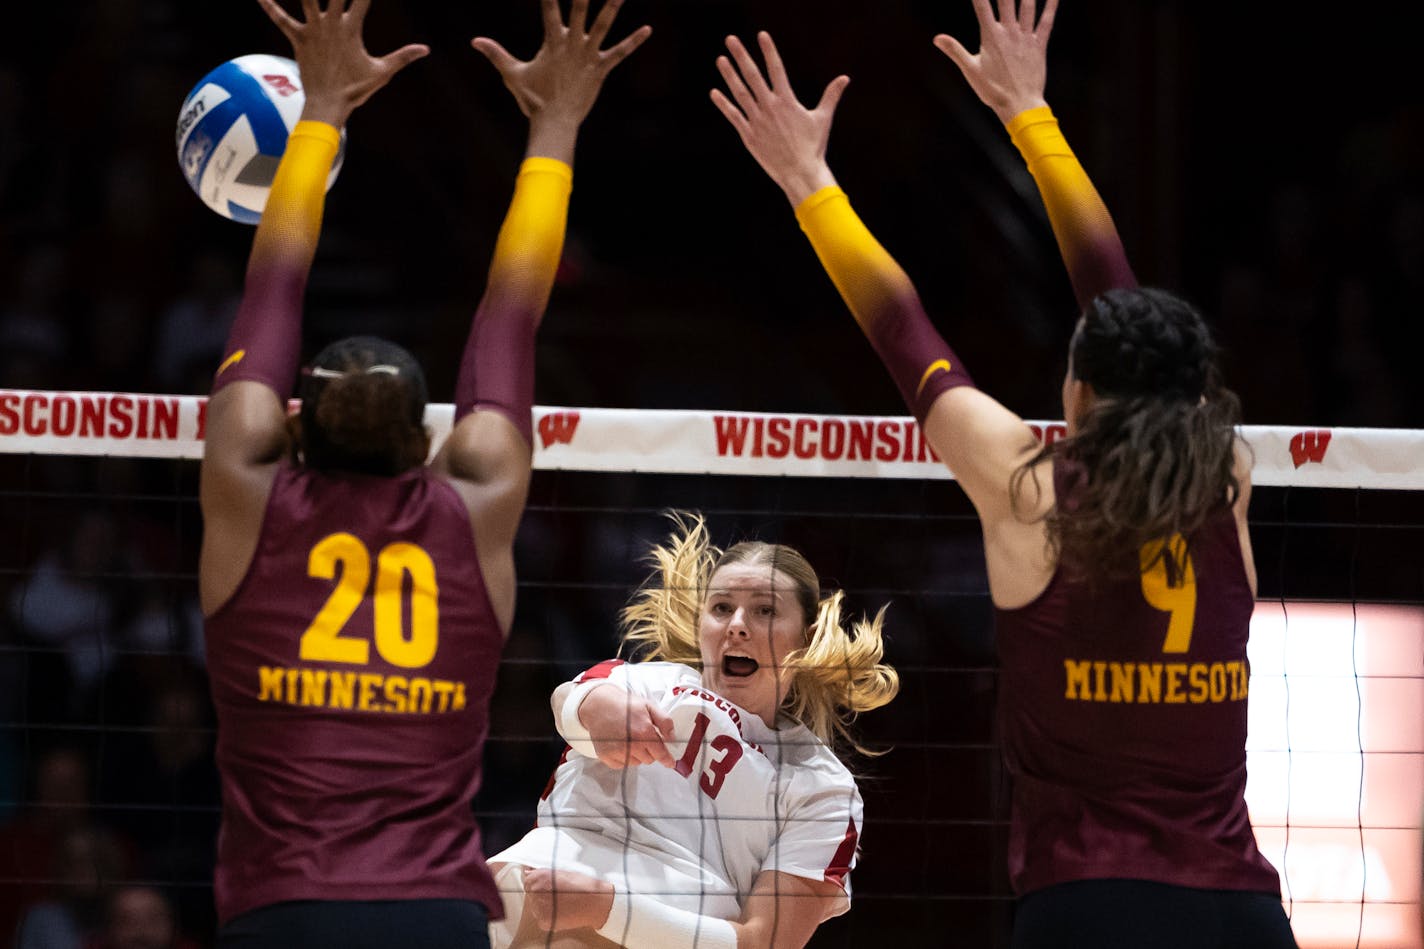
{"x": 751, "y": 621}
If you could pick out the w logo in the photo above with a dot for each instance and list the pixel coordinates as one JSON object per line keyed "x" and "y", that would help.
{"x": 558, "y": 428}
{"x": 1309, "y": 446}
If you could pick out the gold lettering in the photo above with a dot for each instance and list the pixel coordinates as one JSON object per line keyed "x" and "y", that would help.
{"x": 314, "y": 687}
{"x": 395, "y": 693}
{"x": 1100, "y": 692}
{"x": 366, "y": 701}
{"x": 1218, "y": 682}
{"x": 1197, "y": 677}
{"x": 1122, "y": 681}
{"x": 269, "y": 684}
{"x": 1077, "y": 675}
{"x": 343, "y": 689}
{"x": 1175, "y": 671}
{"x": 1234, "y": 667}
{"x": 372, "y": 692}
{"x": 1149, "y": 682}
{"x": 420, "y": 695}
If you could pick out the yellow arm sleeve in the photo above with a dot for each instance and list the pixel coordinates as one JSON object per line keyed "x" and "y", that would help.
{"x": 1087, "y": 238}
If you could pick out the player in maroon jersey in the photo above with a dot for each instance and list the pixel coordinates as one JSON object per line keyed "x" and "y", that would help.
{"x": 1118, "y": 558}
{"x": 357, "y": 598}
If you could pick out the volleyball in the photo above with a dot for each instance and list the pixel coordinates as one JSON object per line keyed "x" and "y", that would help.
{"x": 232, "y": 130}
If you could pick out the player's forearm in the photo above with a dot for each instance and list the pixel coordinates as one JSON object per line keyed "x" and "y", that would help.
{"x": 497, "y": 370}
{"x": 800, "y": 180}
{"x": 264, "y": 344}
{"x": 882, "y": 299}
{"x": 552, "y": 136}
{"x": 636, "y": 921}
{"x": 1086, "y": 235}
{"x": 572, "y": 724}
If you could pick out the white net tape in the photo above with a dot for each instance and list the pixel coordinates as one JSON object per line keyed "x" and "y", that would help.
{"x": 693, "y": 441}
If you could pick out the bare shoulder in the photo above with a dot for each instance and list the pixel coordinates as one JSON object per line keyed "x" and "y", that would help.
{"x": 1244, "y": 461}
{"x": 984, "y": 444}
{"x": 245, "y": 442}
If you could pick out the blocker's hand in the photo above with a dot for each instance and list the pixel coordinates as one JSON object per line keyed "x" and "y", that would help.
{"x": 1009, "y": 71}
{"x": 563, "y": 80}
{"x": 338, "y": 75}
{"x": 787, "y": 139}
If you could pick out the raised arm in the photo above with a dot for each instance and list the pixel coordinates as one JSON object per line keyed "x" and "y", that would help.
{"x": 979, "y": 439}
{"x": 246, "y": 434}
{"x": 600, "y": 718}
{"x": 490, "y": 448}
{"x": 1009, "y": 74}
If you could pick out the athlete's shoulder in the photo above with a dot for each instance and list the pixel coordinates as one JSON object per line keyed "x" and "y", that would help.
{"x": 816, "y": 765}
{"x": 645, "y": 675}
{"x": 673, "y": 671}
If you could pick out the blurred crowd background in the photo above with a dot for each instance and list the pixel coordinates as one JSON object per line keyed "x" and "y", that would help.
{"x": 1265, "y": 163}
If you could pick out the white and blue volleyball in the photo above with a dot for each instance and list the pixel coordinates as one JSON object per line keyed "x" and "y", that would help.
{"x": 233, "y": 129}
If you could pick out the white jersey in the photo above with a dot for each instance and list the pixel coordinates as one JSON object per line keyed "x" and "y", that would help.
{"x": 743, "y": 799}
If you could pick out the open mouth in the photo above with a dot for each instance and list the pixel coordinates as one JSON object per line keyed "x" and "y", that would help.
{"x": 739, "y": 667}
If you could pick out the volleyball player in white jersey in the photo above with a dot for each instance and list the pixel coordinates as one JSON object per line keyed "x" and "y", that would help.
{"x": 701, "y": 801}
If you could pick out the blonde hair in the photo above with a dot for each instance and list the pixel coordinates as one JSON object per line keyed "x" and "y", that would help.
{"x": 837, "y": 674}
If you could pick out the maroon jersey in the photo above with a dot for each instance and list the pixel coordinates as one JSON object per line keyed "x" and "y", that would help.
{"x": 1122, "y": 706}
{"x": 352, "y": 673}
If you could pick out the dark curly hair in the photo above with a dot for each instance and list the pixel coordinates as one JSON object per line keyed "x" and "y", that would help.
{"x": 1155, "y": 453}
{"x": 363, "y": 409}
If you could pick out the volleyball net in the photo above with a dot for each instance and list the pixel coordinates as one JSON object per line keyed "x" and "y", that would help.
{"x": 106, "y": 735}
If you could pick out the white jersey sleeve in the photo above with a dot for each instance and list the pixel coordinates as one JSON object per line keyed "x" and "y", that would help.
{"x": 742, "y": 799}
{"x": 650, "y": 681}
{"x": 820, "y": 824}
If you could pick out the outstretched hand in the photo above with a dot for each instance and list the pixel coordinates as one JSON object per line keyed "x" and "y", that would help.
{"x": 338, "y": 75}
{"x": 787, "y": 139}
{"x": 557, "y": 88}
{"x": 1010, "y": 70}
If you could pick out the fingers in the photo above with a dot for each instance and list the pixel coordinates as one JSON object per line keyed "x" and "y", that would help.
{"x": 952, "y": 48}
{"x": 624, "y": 49}
{"x": 498, "y": 56}
{"x": 652, "y": 752}
{"x": 983, "y": 13}
{"x": 775, "y": 69}
{"x": 730, "y": 112}
{"x": 604, "y": 22}
{"x": 310, "y": 10}
{"x": 404, "y": 56}
{"x": 357, "y": 12}
{"x": 1028, "y": 12}
{"x": 664, "y": 725}
{"x": 739, "y": 90}
{"x": 832, "y": 96}
{"x": 578, "y": 14}
{"x": 661, "y": 721}
{"x": 553, "y": 20}
{"x": 284, "y": 22}
{"x": 1045, "y": 22}
{"x": 750, "y": 73}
